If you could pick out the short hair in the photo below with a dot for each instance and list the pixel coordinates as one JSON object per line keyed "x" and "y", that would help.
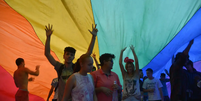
{"x": 80, "y": 60}
{"x": 69, "y": 49}
{"x": 19, "y": 61}
{"x": 163, "y": 74}
{"x": 150, "y": 70}
{"x": 105, "y": 57}
{"x": 179, "y": 54}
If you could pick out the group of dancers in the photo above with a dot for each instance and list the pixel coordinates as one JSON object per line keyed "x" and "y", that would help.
{"x": 77, "y": 81}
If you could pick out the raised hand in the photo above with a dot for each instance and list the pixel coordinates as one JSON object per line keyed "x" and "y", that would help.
{"x": 37, "y": 67}
{"x": 48, "y": 30}
{"x": 94, "y": 55}
{"x": 132, "y": 48}
{"x": 192, "y": 41}
{"x": 124, "y": 49}
{"x": 31, "y": 79}
{"x": 94, "y": 30}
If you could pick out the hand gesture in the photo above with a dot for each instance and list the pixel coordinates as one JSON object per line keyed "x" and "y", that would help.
{"x": 94, "y": 55}
{"x": 31, "y": 79}
{"x": 94, "y": 30}
{"x": 132, "y": 48}
{"x": 124, "y": 49}
{"x": 48, "y": 30}
{"x": 107, "y": 91}
{"x": 37, "y": 67}
{"x": 192, "y": 41}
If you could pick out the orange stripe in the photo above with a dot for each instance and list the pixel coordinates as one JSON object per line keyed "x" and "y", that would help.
{"x": 18, "y": 39}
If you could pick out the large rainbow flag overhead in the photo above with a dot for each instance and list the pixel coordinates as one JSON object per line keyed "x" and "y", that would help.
{"x": 158, "y": 29}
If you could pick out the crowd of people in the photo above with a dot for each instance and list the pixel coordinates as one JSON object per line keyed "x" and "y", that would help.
{"x": 81, "y": 81}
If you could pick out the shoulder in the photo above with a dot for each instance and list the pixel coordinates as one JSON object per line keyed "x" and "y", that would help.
{"x": 95, "y": 72}
{"x": 113, "y": 73}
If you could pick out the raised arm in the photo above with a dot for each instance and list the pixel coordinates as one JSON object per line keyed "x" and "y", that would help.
{"x": 36, "y": 73}
{"x": 188, "y": 47}
{"x": 49, "y": 32}
{"x": 50, "y": 92}
{"x": 120, "y": 62}
{"x": 166, "y": 71}
{"x": 136, "y": 60}
{"x": 173, "y": 59}
{"x": 94, "y": 57}
{"x": 94, "y": 34}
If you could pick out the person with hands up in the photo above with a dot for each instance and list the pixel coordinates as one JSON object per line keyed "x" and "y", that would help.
{"x": 131, "y": 76}
{"x": 66, "y": 69}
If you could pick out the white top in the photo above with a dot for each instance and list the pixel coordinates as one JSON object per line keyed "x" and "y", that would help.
{"x": 153, "y": 84}
{"x": 131, "y": 86}
{"x": 84, "y": 88}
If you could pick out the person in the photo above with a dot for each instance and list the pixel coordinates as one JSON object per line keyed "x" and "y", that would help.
{"x": 193, "y": 77}
{"x": 153, "y": 86}
{"x": 80, "y": 85}
{"x": 65, "y": 70}
{"x": 96, "y": 61}
{"x": 131, "y": 86}
{"x": 21, "y": 79}
{"x": 141, "y": 80}
{"x": 164, "y": 88}
{"x": 104, "y": 79}
{"x": 178, "y": 77}
{"x": 53, "y": 88}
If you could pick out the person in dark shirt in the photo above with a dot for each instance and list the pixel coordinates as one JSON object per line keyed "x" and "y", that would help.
{"x": 193, "y": 76}
{"x": 177, "y": 75}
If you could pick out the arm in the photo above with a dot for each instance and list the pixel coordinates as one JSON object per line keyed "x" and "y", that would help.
{"x": 68, "y": 88}
{"x": 173, "y": 59}
{"x": 120, "y": 62}
{"x": 31, "y": 79}
{"x": 148, "y": 90}
{"x": 49, "y": 32}
{"x": 50, "y": 92}
{"x": 36, "y": 73}
{"x": 94, "y": 56}
{"x": 105, "y": 90}
{"x": 91, "y": 45}
{"x": 161, "y": 93}
{"x": 188, "y": 47}
{"x": 136, "y": 60}
{"x": 166, "y": 71}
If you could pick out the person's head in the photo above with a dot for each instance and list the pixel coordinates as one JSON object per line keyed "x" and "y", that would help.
{"x": 149, "y": 72}
{"x": 84, "y": 63}
{"x": 106, "y": 60}
{"x": 69, "y": 54}
{"x": 180, "y": 57}
{"x": 162, "y": 76}
{"x": 129, "y": 65}
{"x": 20, "y": 62}
{"x": 189, "y": 66}
{"x": 141, "y": 73}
